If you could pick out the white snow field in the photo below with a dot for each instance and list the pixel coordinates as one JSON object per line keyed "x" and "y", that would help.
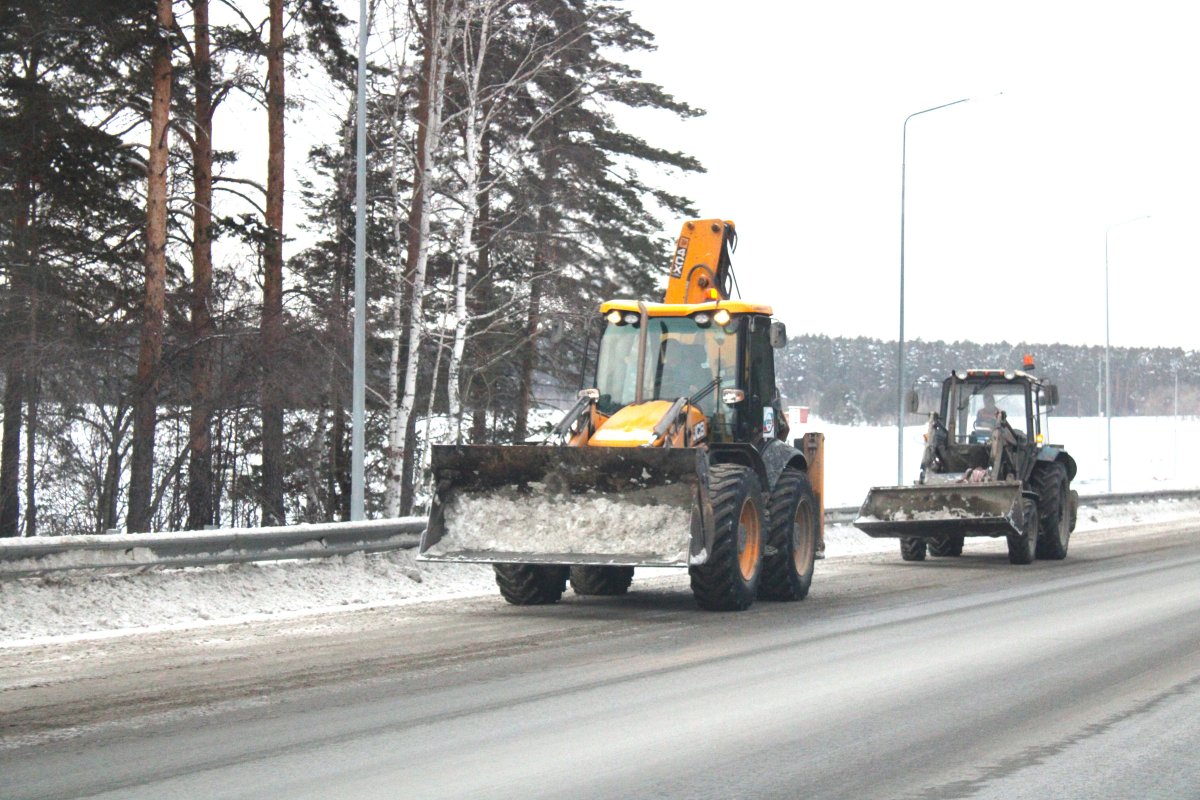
{"x": 1149, "y": 454}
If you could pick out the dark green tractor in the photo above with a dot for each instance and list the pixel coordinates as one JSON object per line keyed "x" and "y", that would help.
{"x": 986, "y": 471}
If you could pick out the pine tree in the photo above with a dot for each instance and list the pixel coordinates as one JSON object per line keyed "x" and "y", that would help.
{"x": 66, "y": 216}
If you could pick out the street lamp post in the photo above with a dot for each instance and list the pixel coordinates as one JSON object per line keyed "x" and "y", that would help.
{"x": 359, "y": 379}
{"x": 900, "y": 349}
{"x": 1107, "y": 348}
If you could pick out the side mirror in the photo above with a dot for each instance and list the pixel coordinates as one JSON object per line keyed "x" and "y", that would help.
{"x": 778, "y": 334}
{"x": 912, "y": 402}
{"x": 1051, "y": 394}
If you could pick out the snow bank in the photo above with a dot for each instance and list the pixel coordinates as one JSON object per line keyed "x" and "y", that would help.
{"x": 72, "y": 604}
{"x": 87, "y": 605}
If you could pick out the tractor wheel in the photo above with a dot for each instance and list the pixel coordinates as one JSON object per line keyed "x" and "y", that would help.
{"x": 728, "y": 580}
{"x": 531, "y": 584}
{"x": 1074, "y": 497}
{"x": 946, "y": 547}
{"x": 912, "y": 549}
{"x": 1049, "y": 480}
{"x": 791, "y": 538}
{"x": 601, "y": 580}
{"x": 1022, "y": 547}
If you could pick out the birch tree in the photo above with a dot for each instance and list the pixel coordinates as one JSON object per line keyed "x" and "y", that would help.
{"x": 485, "y": 95}
{"x": 438, "y": 30}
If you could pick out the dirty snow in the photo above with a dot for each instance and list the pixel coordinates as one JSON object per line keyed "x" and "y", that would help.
{"x": 508, "y": 523}
{"x": 75, "y": 603}
{"x": 945, "y": 512}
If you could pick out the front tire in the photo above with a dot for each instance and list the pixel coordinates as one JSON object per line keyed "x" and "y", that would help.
{"x": 1022, "y": 547}
{"x": 912, "y": 549}
{"x": 792, "y": 536}
{"x": 947, "y": 547}
{"x": 531, "y": 584}
{"x": 601, "y": 580}
{"x": 1049, "y": 480}
{"x": 728, "y": 580}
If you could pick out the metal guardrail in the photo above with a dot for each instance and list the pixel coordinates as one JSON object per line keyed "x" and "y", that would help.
{"x": 44, "y": 554}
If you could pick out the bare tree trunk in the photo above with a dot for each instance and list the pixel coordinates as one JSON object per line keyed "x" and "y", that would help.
{"x": 529, "y": 353}
{"x": 479, "y": 425}
{"x": 16, "y": 356}
{"x": 393, "y": 481}
{"x": 483, "y": 258}
{"x": 473, "y": 61}
{"x": 111, "y": 482}
{"x": 31, "y": 424}
{"x": 10, "y": 457}
{"x": 199, "y": 490}
{"x": 272, "y": 313}
{"x": 340, "y": 338}
{"x": 145, "y": 396}
{"x": 14, "y": 378}
{"x": 541, "y": 260}
{"x": 440, "y": 22}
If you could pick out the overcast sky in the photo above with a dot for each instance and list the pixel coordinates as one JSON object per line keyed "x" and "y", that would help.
{"x": 1083, "y": 116}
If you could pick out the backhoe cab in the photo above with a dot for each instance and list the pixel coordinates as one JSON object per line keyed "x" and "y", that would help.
{"x": 676, "y": 457}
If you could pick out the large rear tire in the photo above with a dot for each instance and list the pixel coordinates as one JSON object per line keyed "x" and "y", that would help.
{"x": 728, "y": 579}
{"x": 1022, "y": 547}
{"x": 531, "y": 584}
{"x": 601, "y": 580}
{"x": 946, "y": 547}
{"x": 912, "y": 549}
{"x": 787, "y": 571}
{"x": 1049, "y": 480}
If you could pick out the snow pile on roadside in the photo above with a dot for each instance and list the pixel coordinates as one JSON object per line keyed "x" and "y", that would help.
{"x": 91, "y": 604}
{"x": 1093, "y": 517}
{"x": 81, "y": 602}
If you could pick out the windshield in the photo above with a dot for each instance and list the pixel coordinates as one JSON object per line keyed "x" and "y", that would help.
{"x": 975, "y": 409}
{"x": 683, "y": 359}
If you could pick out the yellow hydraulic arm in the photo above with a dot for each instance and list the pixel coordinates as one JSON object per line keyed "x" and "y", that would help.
{"x": 701, "y": 262}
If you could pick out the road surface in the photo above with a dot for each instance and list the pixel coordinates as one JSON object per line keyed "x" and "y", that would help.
{"x": 953, "y": 678}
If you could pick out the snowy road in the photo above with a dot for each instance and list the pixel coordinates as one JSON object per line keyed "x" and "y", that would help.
{"x": 953, "y": 678}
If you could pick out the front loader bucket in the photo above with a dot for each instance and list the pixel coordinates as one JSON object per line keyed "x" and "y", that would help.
{"x": 627, "y": 506}
{"x": 935, "y": 510}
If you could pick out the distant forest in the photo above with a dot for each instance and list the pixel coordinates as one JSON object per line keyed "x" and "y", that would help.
{"x": 853, "y": 381}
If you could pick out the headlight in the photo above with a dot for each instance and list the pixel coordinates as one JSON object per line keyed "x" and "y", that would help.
{"x": 721, "y": 317}
{"x": 702, "y": 319}
{"x": 732, "y": 396}
{"x": 631, "y": 318}
{"x": 614, "y": 317}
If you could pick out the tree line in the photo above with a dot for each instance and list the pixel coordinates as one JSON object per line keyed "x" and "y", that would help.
{"x": 166, "y": 366}
{"x": 853, "y": 380}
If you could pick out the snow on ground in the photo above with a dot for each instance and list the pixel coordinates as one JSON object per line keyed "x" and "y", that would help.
{"x": 92, "y": 605}
{"x": 75, "y": 603}
{"x": 1149, "y": 453}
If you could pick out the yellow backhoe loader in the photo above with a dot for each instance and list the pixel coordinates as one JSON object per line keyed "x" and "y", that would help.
{"x": 677, "y": 457}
